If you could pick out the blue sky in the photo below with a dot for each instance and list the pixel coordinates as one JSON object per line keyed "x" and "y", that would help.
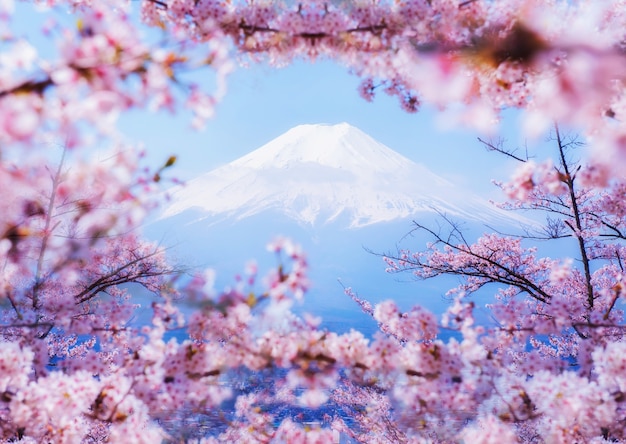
{"x": 263, "y": 102}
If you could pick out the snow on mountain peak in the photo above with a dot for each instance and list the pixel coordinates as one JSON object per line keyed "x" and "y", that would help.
{"x": 336, "y": 146}
{"x": 322, "y": 173}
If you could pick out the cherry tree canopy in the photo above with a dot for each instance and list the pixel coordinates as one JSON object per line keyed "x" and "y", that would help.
{"x": 75, "y": 368}
{"x": 557, "y": 60}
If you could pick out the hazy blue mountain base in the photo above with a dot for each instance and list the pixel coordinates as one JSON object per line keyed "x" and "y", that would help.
{"x": 337, "y": 257}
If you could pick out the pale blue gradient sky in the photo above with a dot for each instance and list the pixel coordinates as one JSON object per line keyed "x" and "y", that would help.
{"x": 263, "y": 102}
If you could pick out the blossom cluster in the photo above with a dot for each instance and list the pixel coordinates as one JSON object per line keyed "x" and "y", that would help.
{"x": 557, "y": 61}
{"x": 75, "y": 366}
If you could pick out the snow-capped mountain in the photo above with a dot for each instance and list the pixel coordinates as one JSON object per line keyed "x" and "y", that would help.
{"x": 312, "y": 184}
{"x": 317, "y": 174}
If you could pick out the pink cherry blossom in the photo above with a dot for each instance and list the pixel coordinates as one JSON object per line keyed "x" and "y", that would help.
{"x": 239, "y": 363}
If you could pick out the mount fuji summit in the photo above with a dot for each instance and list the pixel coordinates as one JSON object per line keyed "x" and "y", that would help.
{"x": 327, "y": 174}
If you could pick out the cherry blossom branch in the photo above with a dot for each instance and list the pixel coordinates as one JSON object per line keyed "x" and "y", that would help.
{"x": 115, "y": 277}
{"x": 481, "y": 269}
{"x": 498, "y": 148}
{"x": 47, "y": 231}
{"x": 569, "y": 178}
{"x": 28, "y": 87}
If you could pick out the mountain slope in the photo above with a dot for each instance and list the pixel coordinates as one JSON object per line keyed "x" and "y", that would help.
{"x": 319, "y": 174}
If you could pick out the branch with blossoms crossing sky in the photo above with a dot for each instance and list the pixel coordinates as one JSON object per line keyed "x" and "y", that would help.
{"x": 75, "y": 368}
